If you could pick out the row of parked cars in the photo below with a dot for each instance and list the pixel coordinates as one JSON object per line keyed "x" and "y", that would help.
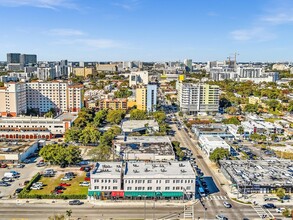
{"x": 9, "y": 177}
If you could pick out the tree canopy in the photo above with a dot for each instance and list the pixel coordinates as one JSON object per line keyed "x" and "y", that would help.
{"x": 219, "y": 154}
{"x": 136, "y": 114}
{"x": 115, "y": 116}
{"x": 61, "y": 154}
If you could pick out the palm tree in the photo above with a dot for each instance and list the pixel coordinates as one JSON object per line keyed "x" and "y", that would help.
{"x": 69, "y": 213}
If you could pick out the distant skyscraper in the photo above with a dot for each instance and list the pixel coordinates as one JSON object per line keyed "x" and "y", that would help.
{"x": 151, "y": 97}
{"x": 13, "y": 58}
{"x": 26, "y": 59}
{"x": 188, "y": 64}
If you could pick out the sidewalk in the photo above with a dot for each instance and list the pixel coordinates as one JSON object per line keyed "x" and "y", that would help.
{"x": 109, "y": 203}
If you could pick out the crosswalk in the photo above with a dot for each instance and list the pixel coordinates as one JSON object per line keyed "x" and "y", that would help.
{"x": 215, "y": 198}
{"x": 262, "y": 213}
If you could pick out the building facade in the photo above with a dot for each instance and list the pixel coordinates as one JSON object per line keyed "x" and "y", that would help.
{"x": 13, "y": 99}
{"x": 195, "y": 98}
{"x": 114, "y": 104}
{"x": 146, "y": 97}
{"x": 140, "y": 77}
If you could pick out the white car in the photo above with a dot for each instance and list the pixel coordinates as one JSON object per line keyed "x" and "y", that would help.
{"x": 36, "y": 187}
{"x": 84, "y": 183}
{"x": 66, "y": 178}
{"x": 280, "y": 210}
{"x": 38, "y": 184}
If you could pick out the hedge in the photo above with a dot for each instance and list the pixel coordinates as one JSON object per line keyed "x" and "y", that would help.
{"x": 51, "y": 196}
{"x": 26, "y": 189}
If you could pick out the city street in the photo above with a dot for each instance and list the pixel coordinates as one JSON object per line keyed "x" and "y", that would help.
{"x": 89, "y": 211}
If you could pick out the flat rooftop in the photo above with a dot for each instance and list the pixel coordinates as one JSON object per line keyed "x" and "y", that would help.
{"x": 272, "y": 172}
{"x": 157, "y": 145}
{"x": 107, "y": 169}
{"x": 15, "y": 146}
{"x": 132, "y": 125}
{"x": 172, "y": 169}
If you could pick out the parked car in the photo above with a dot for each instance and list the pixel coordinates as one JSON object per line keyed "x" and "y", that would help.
{"x": 36, "y": 187}
{"x": 20, "y": 165}
{"x": 280, "y": 210}
{"x": 7, "y": 179}
{"x": 26, "y": 161}
{"x": 227, "y": 204}
{"x": 64, "y": 184}
{"x": 57, "y": 192}
{"x": 269, "y": 206}
{"x": 3, "y": 183}
{"x": 3, "y": 165}
{"x": 84, "y": 183}
{"x": 26, "y": 182}
{"x": 75, "y": 202}
{"x": 221, "y": 217}
{"x": 18, "y": 190}
{"x": 41, "y": 164}
{"x": 60, "y": 188}
{"x": 66, "y": 178}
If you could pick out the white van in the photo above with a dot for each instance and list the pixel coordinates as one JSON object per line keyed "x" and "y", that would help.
{"x": 9, "y": 175}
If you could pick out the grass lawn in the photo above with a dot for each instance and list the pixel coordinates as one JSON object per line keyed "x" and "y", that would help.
{"x": 51, "y": 182}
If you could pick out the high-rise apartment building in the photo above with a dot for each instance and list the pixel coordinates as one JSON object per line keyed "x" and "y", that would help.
{"x": 194, "y": 98}
{"x": 26, "y": 59}
{"x": 146, "y": 97}
{"x": 188, "y": 64}
{"x": 13, "y": 99}
{"x": 139, "y": 77}
{"x": 41, "y": 97}
{"x": 13, "y": 58}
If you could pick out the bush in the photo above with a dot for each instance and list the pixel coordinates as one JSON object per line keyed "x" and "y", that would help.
{"x": 26, "y": 189}
{"x": 51, "y": 196}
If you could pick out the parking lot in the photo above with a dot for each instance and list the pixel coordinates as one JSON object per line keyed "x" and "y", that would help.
{"x": 26, "y": 173}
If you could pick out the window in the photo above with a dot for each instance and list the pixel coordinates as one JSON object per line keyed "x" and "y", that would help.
{"x": 167, "y": 181}
{"x": 149, "y": 181}
{"x": 114, "y": 187}
{"x": 158, "y": 188}
{"x": 150, "y": 188}
{"x": 167, "y": 188}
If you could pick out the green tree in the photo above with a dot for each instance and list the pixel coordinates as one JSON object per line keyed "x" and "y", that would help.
{"x": 1, "y": 84}
{"x": 159, "y": 116}
{"x": 85, "y": 116}
{"x": 115, "y": 116}
{"x": 136, "y": 114}
{"x": 240, "y": 130}
{"x": 68, "y": 213}
{"x": 90, "y": 134}
{"x": 257, "y": 137}
{"x": 290, "y": 106}
{"x": 250, "y": 108}
{"x": 59, "y": 154}
{"x": 219, "y": 154}
{"x": 231, "y": 110}
{"x": 115, "y": 130}
{"x": 273, "y": 104}
{"x": 287, "y": 213}
{"x": 51, "y": 113}
{"x": 100, "y": 116}
{"x": 180, "y": 114}
{"x": 122, "y": 93}
{"x": 232, "y": 120}
{"x": 280, "y": 192}
{"x": 72, "y": 134}
{"x": 100, "y": 153}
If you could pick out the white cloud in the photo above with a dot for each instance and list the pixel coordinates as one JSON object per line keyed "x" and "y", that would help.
{"x": 279, "y": 18}
{"x": 51, "y": 4}
{"x": 65, "y": 32}
{"x": 256, "y": 33}
{"x": 127, "y": 4}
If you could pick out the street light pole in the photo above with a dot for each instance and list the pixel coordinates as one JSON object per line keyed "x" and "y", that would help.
{"x": 145, "y": 207}
{"x": 205, "y": 209}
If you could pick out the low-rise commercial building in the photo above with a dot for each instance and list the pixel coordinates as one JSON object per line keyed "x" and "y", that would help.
{"x": 211, "y": 130}
{"x": 106, "y": 180}
{"x": 171, "y": 179}
{"x": 259, "y": 176}
{"x": 16, "y": 152}
{"x": 209, "y": 143}
{"x": 27, "y": 127}
{"x": 148, "y": 148}
{"x": 131, "y": 126}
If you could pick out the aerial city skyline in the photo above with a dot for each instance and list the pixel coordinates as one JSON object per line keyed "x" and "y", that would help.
{"x": 146, "y": 109}
{"x": 147, "y": 30}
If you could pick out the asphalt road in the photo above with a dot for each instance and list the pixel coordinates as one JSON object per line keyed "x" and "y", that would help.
{"x": 88, "y": 211}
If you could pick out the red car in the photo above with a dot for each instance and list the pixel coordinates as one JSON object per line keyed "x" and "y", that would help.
{"x": 64, "y": 184}
{"x": 3, "y": 165}
{"x": 87, "y": 179}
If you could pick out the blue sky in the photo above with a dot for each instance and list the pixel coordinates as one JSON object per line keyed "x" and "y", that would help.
{"x": 149, "y": 30}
